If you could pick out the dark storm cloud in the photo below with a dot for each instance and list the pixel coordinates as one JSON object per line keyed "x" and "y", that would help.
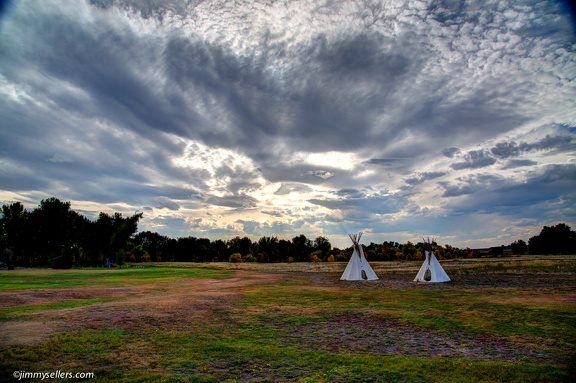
{"x": 386, "y": 162}
{"x": 235, "y": 87}
{"x": 420, "y": 178}
{"x": 474, "y": 159}
{"x": 471, "y": 184}
{"x": 506, "y": 149}
{"x": 311, "y": 109}
{"x": 318, "y": 103}
{"x": 95, "y": 81}
{"x": 451, "y": 190}
{"x": 104, "y": 64}
{"x": 236, "y": 201}
{"x": 558, "y": 143}
{"x": 550, "y": 187}
{"x": 354, "y": 201}
{"x": 450, "y": 152}
{"x": 511, "y": 164}
{"x": 164, "y": 202}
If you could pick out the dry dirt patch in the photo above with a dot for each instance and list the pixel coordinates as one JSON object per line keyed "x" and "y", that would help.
{"x": 356, "y": 333}
{"x": 166, "y": 305}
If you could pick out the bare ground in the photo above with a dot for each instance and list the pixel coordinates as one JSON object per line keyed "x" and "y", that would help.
{"x": 355, "y": 332}
{"x": 165, "y": 305}
{"x": 179, "y": 306}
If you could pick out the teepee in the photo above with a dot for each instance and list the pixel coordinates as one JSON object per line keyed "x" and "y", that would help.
{"x": 358, "y": 268}
{"x": 431, "y": 271}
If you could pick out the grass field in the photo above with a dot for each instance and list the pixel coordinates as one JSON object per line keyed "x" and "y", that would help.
{"x": 500, "y": 320}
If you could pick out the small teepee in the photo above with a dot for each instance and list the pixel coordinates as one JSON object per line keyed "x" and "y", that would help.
{"x": 431, "y": 271}
{"x": 358, "y": 268}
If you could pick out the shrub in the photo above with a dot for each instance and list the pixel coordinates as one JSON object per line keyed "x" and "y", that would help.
{"x": 235, "y": 258}
{"x": 315, "y": 256}
{"x": 342, "y": 256}
{"x": 249, "y": 258}
{"x": 120, "y": 256}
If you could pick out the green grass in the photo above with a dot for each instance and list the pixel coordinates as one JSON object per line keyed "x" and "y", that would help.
{"x": 19, "y": 312}
{"x": 541, "y": 265}
{"x": 46, "y": 278}
{"x": 296, "y": 330}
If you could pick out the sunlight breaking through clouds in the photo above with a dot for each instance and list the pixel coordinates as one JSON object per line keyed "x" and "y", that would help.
{"x": 219, "y": 119}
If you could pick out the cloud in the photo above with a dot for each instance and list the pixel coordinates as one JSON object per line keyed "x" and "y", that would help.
{"x": 164, "y": 202}
{"x": 546, "y": 190}
{"x": 354, "y": 202}
{"x": 235, "y": 201}
{"x": 506, "y": 150}
{"x": 511, "y": 164}
{"x": 320, "y": 174}
{"x": 455, "y": 190}
{"x": 386, "y": 162}
{"x": 450, "y": 152}
{"x": 273, "y": 213}
{"x": 474, "y": 159}
{"x": 287, "y": 188}
{"x": 248, "y": 227}
{"x": 559, "y": 143}
{"x": 423, "y": 177}
{"x": 325, "y": 117}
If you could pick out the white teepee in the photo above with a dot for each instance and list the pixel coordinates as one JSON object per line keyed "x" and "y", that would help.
{"x": 431, "y": 271}
{"x": 358, "y": 268}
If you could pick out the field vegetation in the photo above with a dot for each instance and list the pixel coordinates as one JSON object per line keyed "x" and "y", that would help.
{"x": 499, "y": 320}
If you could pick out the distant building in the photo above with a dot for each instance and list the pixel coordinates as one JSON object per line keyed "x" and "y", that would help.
{"x": 494, "y": 251}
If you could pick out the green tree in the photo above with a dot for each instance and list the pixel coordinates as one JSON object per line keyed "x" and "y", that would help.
{"x": 267, "y": 249}
{"x": 284, "y": 248}
{"x": 408, "y": 249}
{"x": 185, "y": 249}
{"x": 153, "y": 244}
{"x": 51, "y": 232}
{"x": 221, "y": 249}
{"x": 519, "y": 247}
{"x": 323, "y": 245}
{"x": 301, "y": 248}
{"x": 240, "y": 245}
{"x": 109, "y": 235}
{"x": 558, "y": 239}
{"x": 14, "y": 234}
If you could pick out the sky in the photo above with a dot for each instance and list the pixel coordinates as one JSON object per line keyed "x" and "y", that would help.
{"x": 216, "y": 119}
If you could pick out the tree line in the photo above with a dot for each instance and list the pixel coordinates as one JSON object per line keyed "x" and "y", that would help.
{"x": 53, "y": 234}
